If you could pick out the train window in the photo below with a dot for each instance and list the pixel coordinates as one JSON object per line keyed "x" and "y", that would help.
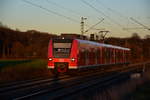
{"x": 62, "y": 45}
{"x": 61, "y": 50}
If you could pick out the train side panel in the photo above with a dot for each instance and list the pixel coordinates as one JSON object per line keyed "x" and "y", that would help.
{"x": 73, "y": 56}
{"x": 50, "y": 55}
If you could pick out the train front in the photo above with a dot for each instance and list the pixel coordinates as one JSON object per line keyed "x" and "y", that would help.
{"x": 62, "y": 55}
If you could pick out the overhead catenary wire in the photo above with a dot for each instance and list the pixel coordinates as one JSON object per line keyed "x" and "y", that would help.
{"x": 125, "y": 17}
{"x": 115, "y": 12}
{"x": 65, "y": 8}
{"x": 140, "y": 23}
{"x": 135, "y": 28}
{"x": 94, "y": 25}
{"x": 100, "y": 12}
{"x": 112, "y": 10}
{"x": 51, "y": 11}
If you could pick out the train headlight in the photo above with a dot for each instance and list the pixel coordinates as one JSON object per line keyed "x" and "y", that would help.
{"x": 72, "y": 59}
{"x": 50, "y": 59}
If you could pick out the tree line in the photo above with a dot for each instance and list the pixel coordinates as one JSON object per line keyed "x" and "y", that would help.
{"x": 29, "y": 44}
{"x": 34, "y": 44}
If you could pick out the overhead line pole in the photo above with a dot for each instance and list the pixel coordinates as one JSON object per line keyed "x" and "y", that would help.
{"x": 82, "y": 25}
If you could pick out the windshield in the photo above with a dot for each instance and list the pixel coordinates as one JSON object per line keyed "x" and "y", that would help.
{"x": 61, "y": 50}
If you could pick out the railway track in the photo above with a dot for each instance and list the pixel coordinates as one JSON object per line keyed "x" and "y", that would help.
{"x": 72, "y": 87}
{"x": 3, "y": 85}
{"x": 12, "y": 90}
{"x": 20, "y": 91}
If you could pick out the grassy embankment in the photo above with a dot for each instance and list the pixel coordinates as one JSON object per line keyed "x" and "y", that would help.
{"x": 14, "y": 70}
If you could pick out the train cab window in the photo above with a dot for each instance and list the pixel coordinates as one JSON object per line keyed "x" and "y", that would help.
{"x": 61, "y": 49}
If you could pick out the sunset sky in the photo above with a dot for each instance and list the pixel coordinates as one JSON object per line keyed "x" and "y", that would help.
{"x": 64, "y": 16}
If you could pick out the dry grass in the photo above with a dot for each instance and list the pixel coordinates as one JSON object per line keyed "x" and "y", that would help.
{"x": 23, "y": 71}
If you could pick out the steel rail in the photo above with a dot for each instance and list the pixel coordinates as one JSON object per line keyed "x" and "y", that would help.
{"x": 80, "y": 84}
{"x": 22, "y": 89}
{"x": 55, "y": 91}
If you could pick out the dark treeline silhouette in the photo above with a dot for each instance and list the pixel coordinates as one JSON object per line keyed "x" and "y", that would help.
{"x": 29, "y": 44}
{"x": 140, "y": 48}
{"x": 34, "y": 44}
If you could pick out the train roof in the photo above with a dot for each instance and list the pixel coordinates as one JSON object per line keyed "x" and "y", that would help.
{"x": 102, "y": 44}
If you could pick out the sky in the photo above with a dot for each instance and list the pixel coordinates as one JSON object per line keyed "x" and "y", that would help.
{"x": 64, "y": 16}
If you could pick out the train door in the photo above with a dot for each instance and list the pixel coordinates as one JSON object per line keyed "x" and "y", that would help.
{"x": 120, "y": 56}
{"x": 124, "y": 58}
{"x": 93, "y": 56}
{"x": 103, "y": 55}
{"x": 82, "y": 57}
{"x": 108, "y": 56}
{"x": 128, "y": 56}
{"x": 114, "y": 56}
{"x": 86, "y": 56}
{"x": 90, "y": 56}
{"x": 98, "y": 54}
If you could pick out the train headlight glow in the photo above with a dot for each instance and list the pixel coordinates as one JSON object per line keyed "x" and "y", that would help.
{"x": 72, "y": 59}
{"x": 50, "y": 59}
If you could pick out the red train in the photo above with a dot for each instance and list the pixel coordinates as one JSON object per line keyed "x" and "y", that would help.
{"x": 75, "y": 54}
